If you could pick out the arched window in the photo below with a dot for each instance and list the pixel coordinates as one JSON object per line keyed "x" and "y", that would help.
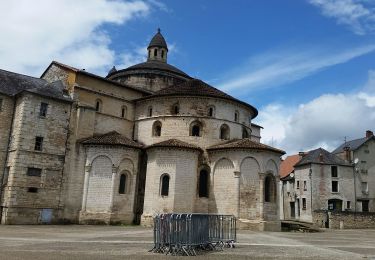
{"x": 203, "y": 183}
{"x": 196, "y": 129}
{"x": 211, "y": 111}
{"x": 123, "y": 111}
{"x": 149, "y": 111}
{"x": 269, "y": 189}
{"x": 236, "y": 116}
{"x": 156, "y": 128}
{"x": 224, "y": 132}
{"x": 245, "y": 133}
{"x": 164, "y": 189}
{"x": 149, "y": 53}
{"x": 122, "y": 186}
{"x": 98, "y": 105}
{"x": 175, "y": 109}
{"x": 155, "y": 52}
{"x": 162, "y": 54}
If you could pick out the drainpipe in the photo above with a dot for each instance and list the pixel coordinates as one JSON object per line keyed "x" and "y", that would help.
{"x": 355, "y": 189}
{"x": 6, "y": 160}
{"x": 311, "y": 192}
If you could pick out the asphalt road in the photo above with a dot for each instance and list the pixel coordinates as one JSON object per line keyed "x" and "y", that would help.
{"x": 118, "y": 242}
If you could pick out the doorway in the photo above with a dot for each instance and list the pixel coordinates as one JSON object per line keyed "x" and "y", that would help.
{"x": 292, "y": 210}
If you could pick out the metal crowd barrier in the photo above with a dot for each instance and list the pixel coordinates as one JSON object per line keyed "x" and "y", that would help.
{"x": 186, "y": 234}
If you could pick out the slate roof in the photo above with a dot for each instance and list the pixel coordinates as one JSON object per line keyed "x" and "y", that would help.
{"x": 196, "y": 87}
{"x": 245, "y": 143}
{"x": 158, "y": 41}
{"x": 175, "y": 143}
{"x": 112, "y": 138}
{"x": 353, "y": 145}
{"x": 13, "y": 83}
{"x": 287, "y": 165}
{"x": 321, "y": 156}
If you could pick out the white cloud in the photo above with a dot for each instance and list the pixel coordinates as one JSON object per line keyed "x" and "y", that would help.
{"x": 69, "y": 31}
{"x": 322, "y": 122}
{"x": 358, "y": 15}
{"x": 280, "y": 67}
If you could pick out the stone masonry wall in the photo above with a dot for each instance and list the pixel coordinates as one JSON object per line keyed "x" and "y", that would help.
{"x": 6, "y": 115}
{"x": 18, "y": 197}
{"x": 345, "y": 220}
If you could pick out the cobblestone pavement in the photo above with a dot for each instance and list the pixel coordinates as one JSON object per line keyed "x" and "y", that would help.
{"x": 117, "y": 242}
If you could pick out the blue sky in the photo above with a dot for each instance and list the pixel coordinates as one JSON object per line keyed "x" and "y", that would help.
{"x": 289, "y": 58}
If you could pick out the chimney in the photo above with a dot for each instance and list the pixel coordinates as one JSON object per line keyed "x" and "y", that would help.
{"x": 347, "y": 153}
{"x": 301, "y": 154}
{"x": 369, "y": 134}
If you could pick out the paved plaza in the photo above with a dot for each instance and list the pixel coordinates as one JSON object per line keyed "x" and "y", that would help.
{"x": 118, "y": 242}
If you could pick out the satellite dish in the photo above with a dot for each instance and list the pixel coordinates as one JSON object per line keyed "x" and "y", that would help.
{"x": 356, "y": 160}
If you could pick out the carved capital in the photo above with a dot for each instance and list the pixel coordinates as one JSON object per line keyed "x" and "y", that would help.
{"x": 87, "y": 168}
{"x": 262, "y": 175}
{"x": 114, "y": 169}
{"x": 237, "y": 174}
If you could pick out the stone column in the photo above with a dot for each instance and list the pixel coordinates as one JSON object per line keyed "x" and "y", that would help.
{"x": 114, "y": 171}
{"x": 261, "y": 195}
{"x": 237, "y": 176}
{"x": 85, "y": 186}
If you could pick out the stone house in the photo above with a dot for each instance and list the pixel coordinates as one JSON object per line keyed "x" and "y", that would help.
{"x": 143, "y": 140}
{"x": 361, "y": 152}
{"x": 320, "y": 180}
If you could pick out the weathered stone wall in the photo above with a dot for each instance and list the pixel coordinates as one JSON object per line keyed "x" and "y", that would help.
{"x": 365, "y": 172}
{"x": 345, "y": 220}
{"x": 18, "y": 199}
{"x": 255, "y": 133}
{"x": 181, "y": 166}
{"x": 101, "y": 200}
{"x": 241, "y": 187}
{"x": 319, "y": 191}
{"x": 191, "y": 110}
{"x": 6, "y": 115}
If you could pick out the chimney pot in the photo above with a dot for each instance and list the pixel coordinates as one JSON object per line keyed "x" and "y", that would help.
{"x": 369, "y": 133}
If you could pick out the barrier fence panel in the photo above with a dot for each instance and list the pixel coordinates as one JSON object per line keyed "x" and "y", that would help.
{"x": 186, "y": 234}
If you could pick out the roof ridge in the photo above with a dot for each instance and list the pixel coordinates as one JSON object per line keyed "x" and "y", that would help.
{"x": 20, "y": 74}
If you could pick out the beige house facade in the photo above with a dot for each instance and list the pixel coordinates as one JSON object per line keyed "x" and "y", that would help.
{"x": 76, "y": 147}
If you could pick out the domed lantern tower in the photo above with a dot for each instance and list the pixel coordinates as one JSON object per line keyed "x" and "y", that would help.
{"x": 157, "y": 49}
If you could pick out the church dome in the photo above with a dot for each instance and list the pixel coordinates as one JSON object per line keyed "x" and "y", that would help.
{"x": 155, "y": 73}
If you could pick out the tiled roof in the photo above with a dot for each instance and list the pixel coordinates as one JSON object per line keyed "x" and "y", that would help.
{"x": 175, "y": 143}
{"x": 153, "y": 66}
{"x": 245, "y": 143}
{"x": 112, "y": 138}
{"x": 353, "y": 145}
{"x": 321, "y": 156}
{"x": 287, "y": 165}
{"x": 196, "y": 87}
{"x": 158, "y": 41}
{"x": 13, "y": 83}
{"x": 256, "y": 125}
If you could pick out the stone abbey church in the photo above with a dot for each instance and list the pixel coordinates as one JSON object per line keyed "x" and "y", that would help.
{"x": 76, "y": 147}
